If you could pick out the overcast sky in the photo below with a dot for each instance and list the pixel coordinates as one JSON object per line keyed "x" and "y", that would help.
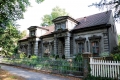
{"x": 76, "y": 9}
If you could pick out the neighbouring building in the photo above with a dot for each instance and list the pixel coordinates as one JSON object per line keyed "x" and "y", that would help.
{"x": 95, "y": 34}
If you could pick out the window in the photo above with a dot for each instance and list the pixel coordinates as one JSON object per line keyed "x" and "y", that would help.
{"x": 87, "y": 46}
{"x": 32, "y": 33}
{"x": 95, "y": 47}
{"x": 80, "y": 47}
{"x": 60, "y": 26}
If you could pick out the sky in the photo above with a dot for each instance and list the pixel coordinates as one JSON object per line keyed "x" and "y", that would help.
{"x": 76, "y": 9}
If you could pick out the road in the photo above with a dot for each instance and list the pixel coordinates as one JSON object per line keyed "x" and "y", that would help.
{"x": 29, "y": 75}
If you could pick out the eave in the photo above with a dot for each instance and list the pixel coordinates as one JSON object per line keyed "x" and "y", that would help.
{"x": 102, "y": 26}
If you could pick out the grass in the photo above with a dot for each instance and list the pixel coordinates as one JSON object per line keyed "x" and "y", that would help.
{"x": 5, "y": 75}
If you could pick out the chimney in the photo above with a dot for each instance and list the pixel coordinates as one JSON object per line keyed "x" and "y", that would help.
{"x": 85, "y": 19}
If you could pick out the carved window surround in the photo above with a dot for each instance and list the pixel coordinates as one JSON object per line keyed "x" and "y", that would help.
{"x": 80, "y": 39}
{"x": 94, "y": 37}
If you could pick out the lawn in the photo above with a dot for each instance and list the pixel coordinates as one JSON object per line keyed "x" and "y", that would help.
{"x": 5, "y": 75}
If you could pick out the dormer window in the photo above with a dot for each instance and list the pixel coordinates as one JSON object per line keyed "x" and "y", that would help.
{"x": 32, "y": 33}
{"x": 64, "y": 22}
{"x": 60, "y": 26}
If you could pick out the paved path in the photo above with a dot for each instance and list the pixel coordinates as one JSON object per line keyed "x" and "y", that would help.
{"x": 29, "y": 75}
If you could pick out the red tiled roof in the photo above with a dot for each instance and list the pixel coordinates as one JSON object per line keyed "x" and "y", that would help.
{"x": 93, "y": 20}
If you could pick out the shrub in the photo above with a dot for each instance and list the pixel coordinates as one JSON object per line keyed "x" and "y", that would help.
{"x": 63, "y": 56}
{"x": 52, "y": 55}
{"x": 45, "y": 55}
{"x": 57, "y": 56}
{"x": 78, "y": 57}
{"x": 116, "y": 50}
{"x": 104, "y": 54}
{"x": 22, "y": 55}
{"x": 116, "y": 56}
{"x": 34, "y": 57}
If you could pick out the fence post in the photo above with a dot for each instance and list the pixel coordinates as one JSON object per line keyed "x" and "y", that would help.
{"x": 86, "y": 60}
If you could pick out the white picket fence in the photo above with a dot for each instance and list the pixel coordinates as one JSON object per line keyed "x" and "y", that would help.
{"x": 104, "y": 68}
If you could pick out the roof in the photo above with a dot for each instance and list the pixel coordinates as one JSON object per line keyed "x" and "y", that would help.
{"x": 24, "y": 38}
{"x": 33, "y": 27}
{"x": 63, "y": 18}
{"x": 93, "y": 20}
{"x": 50, "y": 28}
{"x": 84, "y": 22}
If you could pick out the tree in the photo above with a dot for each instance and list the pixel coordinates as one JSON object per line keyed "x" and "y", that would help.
{"x": 12, "y": 10}
{"x": 109, "y": 4}
{"x": 56, "y": 12}
{"x": 119, "y": 39}
{"x": 23, "y": 33}
{"x": 8, "y": 39}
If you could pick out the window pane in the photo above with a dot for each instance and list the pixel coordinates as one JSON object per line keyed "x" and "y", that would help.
{"x": 87, "y": 47}
{"x": 60, "y": 25}
{"x": 63, "y": 25}
{"x": 81, "y": 47}
{"x": 95, "y": 47}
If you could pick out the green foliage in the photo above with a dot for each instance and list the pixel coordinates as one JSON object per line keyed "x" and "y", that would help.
{"x": 104, "y": 54}
{"x": 63, "y": 56}
{"x": 116, "y": 50}
{"x": 22, "y": 55}
{"x": 109, "y": 4}
{"x": 61, "y": 65}
{"x": 45, "y": 55}
{"x": 57, "y": 56}
{"x": 116, "y": 56}
{"x": 119, "y": 39}
{"x": 12, "y": 10}
{"x": 52, "y": 55}
{"x": 8, "y": 39}
{"x": 78, "y": 57}
{"x": 23, "y": 34}
{"x": 34, "y": 57}
{"x": 56, "y": 12}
